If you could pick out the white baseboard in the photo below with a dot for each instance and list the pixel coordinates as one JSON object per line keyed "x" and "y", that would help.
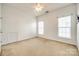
{"x": 18, "y": 40}
{"x": 43, "y": 36}
{"x": 58, "y": 39}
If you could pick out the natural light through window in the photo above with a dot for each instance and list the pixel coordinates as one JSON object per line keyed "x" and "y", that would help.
{"x": 40, "y": 27}
{"x": 64, "y": 27}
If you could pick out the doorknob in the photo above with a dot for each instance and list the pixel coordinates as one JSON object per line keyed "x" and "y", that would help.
{"x": 1, "y": 17}
{"x": 1, "y": 32}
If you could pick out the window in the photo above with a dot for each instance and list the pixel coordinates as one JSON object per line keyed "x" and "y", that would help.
{"x": 40, "y": 27}
{"x": 64, "y": 27}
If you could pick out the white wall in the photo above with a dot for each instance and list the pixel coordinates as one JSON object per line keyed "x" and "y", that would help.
{"x": 50, "y": 23}
{"x": 17, "y": 23}
{"x": 78, "y": 27}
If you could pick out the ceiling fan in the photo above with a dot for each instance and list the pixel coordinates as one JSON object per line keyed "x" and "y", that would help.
{"x": 38, "y": 7}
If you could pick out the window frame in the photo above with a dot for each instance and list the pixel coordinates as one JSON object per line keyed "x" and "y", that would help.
{"x": 65, "y": 27}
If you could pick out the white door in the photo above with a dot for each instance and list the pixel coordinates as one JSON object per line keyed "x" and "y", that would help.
{"x": 78, "y": 35}
{"x": 0, "y": 35}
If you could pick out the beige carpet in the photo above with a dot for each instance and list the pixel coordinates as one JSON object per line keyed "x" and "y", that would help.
{"x": 39, "y": 47}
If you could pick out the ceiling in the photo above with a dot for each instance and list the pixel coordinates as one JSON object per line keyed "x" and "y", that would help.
{"x": 30, "y": 6}
{"x": 47, "y": 6}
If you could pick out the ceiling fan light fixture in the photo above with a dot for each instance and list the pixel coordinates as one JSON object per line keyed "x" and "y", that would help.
{"x": 38, "y": 7}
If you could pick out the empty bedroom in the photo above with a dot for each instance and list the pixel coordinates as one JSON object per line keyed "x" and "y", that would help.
{"x": 38, "y": 29}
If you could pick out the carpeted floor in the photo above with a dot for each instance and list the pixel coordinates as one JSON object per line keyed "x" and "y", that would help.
{"x": 39, "y": 47}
